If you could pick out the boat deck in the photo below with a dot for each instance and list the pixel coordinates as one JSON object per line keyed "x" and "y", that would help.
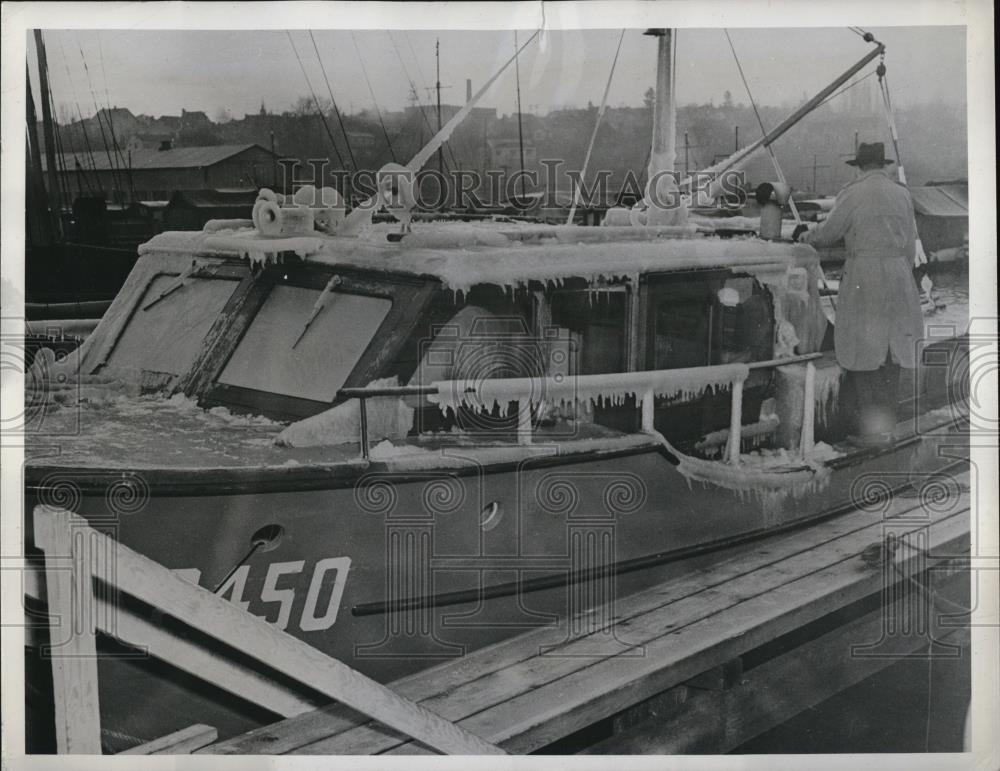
{"x": 677, "y": 644}
{"x": 153, "y": 433}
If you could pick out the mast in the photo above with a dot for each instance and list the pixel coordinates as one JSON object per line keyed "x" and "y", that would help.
{"x": 38, "y": 223}
{"x": 520, "y": 127}
{"x": 663, "y": 153}
{"x": 662, "y": 200}
{"x": 437, "y": 57}
{"x": 49, "y": 136}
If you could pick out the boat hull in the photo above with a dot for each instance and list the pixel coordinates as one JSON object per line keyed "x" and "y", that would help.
{"x": 393, "y": 571}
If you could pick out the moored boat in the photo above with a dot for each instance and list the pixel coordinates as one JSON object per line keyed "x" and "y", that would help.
{"x": 399, "y": 444}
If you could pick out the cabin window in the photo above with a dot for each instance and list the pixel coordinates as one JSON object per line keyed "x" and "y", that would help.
{"x": 596, "y": 323}
{"x": 268, "y": 358}
{"x": 702, "y": 320}
{"x": 167, "y": 335}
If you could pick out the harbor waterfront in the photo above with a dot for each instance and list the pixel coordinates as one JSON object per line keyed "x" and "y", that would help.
{"x": 607, "y": 457}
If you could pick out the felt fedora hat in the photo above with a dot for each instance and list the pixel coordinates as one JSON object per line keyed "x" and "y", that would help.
{"x": 870, "y": 155}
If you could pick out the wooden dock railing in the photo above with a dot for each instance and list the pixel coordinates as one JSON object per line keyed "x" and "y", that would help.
{"x": 76, "y": 555}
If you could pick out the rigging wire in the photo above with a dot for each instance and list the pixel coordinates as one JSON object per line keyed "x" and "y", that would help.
{"x": 111, "y": 125}
{"x": 848, "y": 87}
{"x": 83, "y": 125}
{"x": 920, "y": 257}
{"x": 413, "y": 87}
{"x": 319, "y": 110}
{"x": 115, "y": 181}
{"x": 336, "y": 110}
{"x": 593, "y": 135}
{"x": 409, "y": 80}
{"x": 61, "y": 181}
{"x": 371, "y": 91}
{"x": 760, "y": 122}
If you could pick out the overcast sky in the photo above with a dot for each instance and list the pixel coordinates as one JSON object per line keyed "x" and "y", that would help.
{"x": 161, "y": 72}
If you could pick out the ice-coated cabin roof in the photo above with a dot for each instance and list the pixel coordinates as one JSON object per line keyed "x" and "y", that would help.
{"x": 462, "y": 255}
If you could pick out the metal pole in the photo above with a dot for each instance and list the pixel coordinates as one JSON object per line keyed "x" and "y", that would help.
{"x": 520, "y": 128}
{"x": 800, "y": 113}
{"x": 274, "y": 165}
{"x": 49, "y": 136}
{"x": 437, "y": 56}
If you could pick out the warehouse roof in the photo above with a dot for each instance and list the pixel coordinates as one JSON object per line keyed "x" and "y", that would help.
{"x": 174, "y": 158}
{"x": 941, "y": 200}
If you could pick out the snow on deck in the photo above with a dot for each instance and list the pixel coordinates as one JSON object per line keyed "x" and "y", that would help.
{"x": 152, "y": 432}
{"x": 466, "y": 254}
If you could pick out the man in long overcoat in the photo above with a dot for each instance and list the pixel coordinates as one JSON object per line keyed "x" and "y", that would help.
{"x": 879, "y": 321}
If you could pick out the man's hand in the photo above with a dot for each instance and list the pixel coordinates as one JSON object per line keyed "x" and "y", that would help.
{"x": 799, "y": 230}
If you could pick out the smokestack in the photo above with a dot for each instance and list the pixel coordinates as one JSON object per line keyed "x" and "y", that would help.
{"x": 468, "y": 90}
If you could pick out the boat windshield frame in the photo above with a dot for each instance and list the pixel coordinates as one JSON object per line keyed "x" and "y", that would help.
{"x": 409, "y": 297}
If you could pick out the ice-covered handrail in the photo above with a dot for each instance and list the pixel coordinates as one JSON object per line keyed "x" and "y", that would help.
{"x": 584, "y": 390}
{"x": 588, "y": 391}
{"x": 611, "y": 388}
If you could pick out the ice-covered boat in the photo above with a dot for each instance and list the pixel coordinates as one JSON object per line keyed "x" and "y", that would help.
{"x": 401, "y": 445}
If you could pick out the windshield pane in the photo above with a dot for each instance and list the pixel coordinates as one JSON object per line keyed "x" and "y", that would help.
{"x": 169, "y": 334}
{"x": 317, "y": 367}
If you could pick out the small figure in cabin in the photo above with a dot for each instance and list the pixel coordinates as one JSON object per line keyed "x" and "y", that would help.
{"x": 878, "y": 310}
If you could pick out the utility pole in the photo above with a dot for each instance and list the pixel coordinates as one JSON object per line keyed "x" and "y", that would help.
{"x": 736, "y": 146}
{"x": 274, "y": 165}
{"x": 686, "y": 155}
{"x": 815, "y": 166}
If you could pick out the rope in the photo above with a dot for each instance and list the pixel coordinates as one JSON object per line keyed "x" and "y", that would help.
{"x": 848, "y": 87}
{"x": 61, "y": 178}
{"x": 371, "y": 91}
{"x": 593, "y": 135}
{"x": 79, "y": 112}
{"x": 115, "y": 180}
{"x": 111, "y": 125}
{"x": 333, "y": 101}
{"x": 760, "y": 122}
{"x": 919, "y": 257}
{"x": 322, "y": 117}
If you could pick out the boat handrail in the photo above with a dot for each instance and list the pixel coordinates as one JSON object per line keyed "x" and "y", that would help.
{"x": 645, "y": 384}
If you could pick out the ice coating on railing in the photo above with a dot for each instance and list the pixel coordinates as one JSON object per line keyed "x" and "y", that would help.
{"x": 586, "y": 390}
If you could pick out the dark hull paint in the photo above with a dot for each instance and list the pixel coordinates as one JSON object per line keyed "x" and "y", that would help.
{"x": 483, "y": 572}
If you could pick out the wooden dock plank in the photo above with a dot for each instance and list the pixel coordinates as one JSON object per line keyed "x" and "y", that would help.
{"x": 152, "y": 583}
{"x": 545, "y": 714}
{"x": 123, "y": 624}
{"x": 497, "y": 685}
{"x": 526, "y": 711}
{"x": 70, "y": 596}
{"x": 777, "y": 690}
{"x": 182, "y": 742}
{"x": 289, "y": 735}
